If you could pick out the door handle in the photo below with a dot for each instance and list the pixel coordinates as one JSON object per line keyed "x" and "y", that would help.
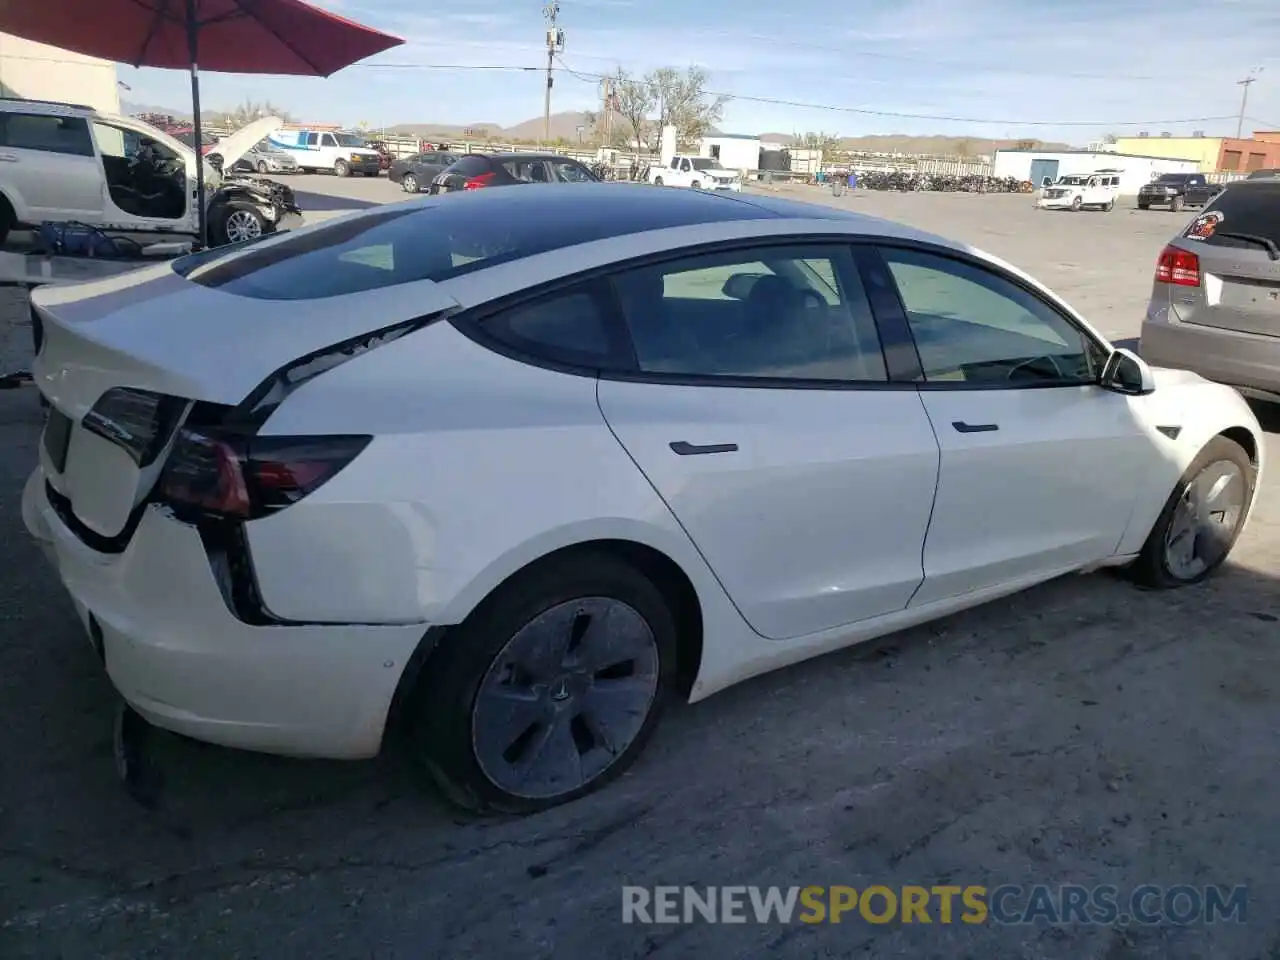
{"x": 685, "y": 449}
{"x": 963, "y": 427}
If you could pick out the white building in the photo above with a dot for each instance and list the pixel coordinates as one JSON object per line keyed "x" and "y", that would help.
{"x": 735, "y": 151}
{"x": 33, "y": 71}
{"x": 1135, "y": 170}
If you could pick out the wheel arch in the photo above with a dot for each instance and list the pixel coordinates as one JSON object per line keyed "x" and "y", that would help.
{"x": 671, "y": 579}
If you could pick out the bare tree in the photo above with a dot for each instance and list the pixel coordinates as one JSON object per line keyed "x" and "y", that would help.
{"x": 826, "y": 142}
{"x": 636, "y": 99}
{"x": 683, "y": 102}
{"x": 250, "y": 110}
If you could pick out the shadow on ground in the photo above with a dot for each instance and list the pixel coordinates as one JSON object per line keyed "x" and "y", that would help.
{"x": 319, "y": 202}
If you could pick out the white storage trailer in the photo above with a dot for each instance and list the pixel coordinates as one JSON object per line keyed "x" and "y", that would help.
{"x": 1135, "y": 170}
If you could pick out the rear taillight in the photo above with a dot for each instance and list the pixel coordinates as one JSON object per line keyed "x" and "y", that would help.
{"x": 1179, "y": 267}
{"x": 138, "y": 421}
{"x": 475, "y": 183}
{"x": 243, "y": 478}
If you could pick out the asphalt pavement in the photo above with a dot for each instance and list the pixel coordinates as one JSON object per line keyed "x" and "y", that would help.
{"x": 1084, "y": 732}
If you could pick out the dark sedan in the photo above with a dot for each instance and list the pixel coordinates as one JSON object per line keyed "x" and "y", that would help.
{"x": 477, "y": 170}
{"x": 415, "y": 172}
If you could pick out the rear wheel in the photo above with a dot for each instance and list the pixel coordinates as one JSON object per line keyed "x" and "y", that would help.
{"x": 263, "y": 168}
{"x": 8, "y": 220}
{"x": 409, "y": 183}
{"x": 342, "y": 168}
{"x": 697, "y": 184}
{"x": 1176, "y": 204}
{"x": 1201, "y": 519}
{"x": 550, "y": 689}
{"x": 657, "y": 181}
{"x": 1143, "y": 206}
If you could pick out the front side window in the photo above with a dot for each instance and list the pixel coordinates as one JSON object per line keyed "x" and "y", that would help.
{"x": 31, "y": 131}
{"x": 779, "y": 313}
{"x": 313, "y": 139}
{"x": 350, "y": 140}
{"x": 973, "y": 327}
{"x": 570, "y": 172}
{"x": 328, "y": 141}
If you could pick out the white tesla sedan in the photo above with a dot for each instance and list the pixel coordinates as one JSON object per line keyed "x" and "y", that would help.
{"x": 515, "y": 466}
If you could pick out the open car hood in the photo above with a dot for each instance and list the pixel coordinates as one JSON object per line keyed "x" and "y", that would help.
{"x": 235, "y": 145}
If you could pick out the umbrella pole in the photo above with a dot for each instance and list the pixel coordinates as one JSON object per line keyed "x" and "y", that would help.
{"x": 193, "y": 48}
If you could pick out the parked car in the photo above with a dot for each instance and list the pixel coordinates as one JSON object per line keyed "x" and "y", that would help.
{"x": 476, "y": 170}
{"x": 540, "y": 460}
{"x": 1264, "y": 174}
{"x": 264, "y": 159}
{"x": 419, "y": 170}
{"x": 699, "y": 173}
{"x": 1215, "y": 301}
{"x": 1177, "y": 190}
{"x": 341, "y": 153}
{"x": 1096, "y": 190}
{"x": 72, "y": 163}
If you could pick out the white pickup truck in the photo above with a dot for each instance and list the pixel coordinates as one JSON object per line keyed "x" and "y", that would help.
{"x": 700, "y": 173}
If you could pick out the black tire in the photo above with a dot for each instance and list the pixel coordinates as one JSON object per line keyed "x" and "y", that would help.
{"x": 8, "y": 220}
{"x": 657, "y": 181}
{"x": 218, "y": 228}
{"x": 409, "y": 183}
{"x": 697, "y": 184}
{"x": 1144, "y": 206}
{"x": 1076, "y": 204}
{"x": 1176, "y": 204}
{"x": 440, "y": 709}
{"x": 1151, "y": 569}
{"x": 342, "y": 168}
{"x": 263, "y": 168}
{"x": 1111, "y": 205}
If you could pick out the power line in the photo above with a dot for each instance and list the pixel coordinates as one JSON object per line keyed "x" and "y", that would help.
{"x": 588, "y": 77}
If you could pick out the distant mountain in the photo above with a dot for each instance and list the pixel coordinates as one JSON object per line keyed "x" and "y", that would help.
{"x": 931, "y": 145}
{"x": 564, "y": 126}
{"x": 132, "y": 109}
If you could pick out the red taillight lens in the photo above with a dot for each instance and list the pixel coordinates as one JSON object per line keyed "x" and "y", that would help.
{"x": 1179, "y": 267}
{"x": 245, "y": 478}
{"x": 475, "y": 183}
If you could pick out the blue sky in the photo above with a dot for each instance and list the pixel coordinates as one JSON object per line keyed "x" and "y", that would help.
{"x": 1081, "y": 68}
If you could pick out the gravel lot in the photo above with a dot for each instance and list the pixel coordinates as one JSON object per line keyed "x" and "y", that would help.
{"x": 1084, "y": 732}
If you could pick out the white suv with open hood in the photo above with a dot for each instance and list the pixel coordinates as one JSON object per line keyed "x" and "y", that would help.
{"x": 68, "y": 163}
{"x": 1076, "y": 192}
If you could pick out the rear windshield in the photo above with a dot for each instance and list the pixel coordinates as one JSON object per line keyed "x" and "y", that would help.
{"x": 445, "y": 238}
{"x": 470, "y": 166}
{"x": 1251, "y": 207}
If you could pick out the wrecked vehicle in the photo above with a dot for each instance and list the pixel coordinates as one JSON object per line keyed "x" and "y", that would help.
{"x": 72, "y": 164}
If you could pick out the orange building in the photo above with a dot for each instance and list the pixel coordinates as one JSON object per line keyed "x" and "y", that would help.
{"x": 1239, "y": 155}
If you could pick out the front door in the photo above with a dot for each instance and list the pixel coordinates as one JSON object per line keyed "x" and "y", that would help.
{"x": 144, "y": 179}
{"x": 762, "y": 415}
{"x": 1040, "y": 466}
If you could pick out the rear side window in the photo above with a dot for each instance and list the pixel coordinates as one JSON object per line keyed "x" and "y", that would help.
{"x": 30, "y": 131}
{"x": 1252, "y": 209}
{"x": 570, "y": 327}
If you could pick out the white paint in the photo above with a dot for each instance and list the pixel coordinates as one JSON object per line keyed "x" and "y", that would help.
{"x": 734, "y": 153}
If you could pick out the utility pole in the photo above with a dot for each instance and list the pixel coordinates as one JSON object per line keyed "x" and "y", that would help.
{"x": 1244, "y": 97}
{"x": 555, "y": 44}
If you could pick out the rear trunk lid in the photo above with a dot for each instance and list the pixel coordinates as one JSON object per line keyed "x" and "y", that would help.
{"x": 123, "y": 362}
{"x": 1239, "y": 277}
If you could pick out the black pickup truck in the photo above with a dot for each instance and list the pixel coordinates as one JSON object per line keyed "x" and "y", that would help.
{"x": 1177, "y": 190}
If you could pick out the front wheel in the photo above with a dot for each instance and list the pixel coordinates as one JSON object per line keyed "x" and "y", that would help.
{"x": 1144, "y": 206}
{"x": 1176, "y": 205}
{"x": 409, "y": 183}
{"x": 1076, "y": 204}
{"x": 342, "y": 168}
{"x": 657, "y": 181}
{"x": 263, "y": 168}
{"x": 697, "y": 184}
{"x": 238, "y": 222}
{"x": 1110, "y": 205}
{"x": 549, "y": 690}
{"x": 1201, "y": 519}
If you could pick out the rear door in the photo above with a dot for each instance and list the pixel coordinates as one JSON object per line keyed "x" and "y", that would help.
{"x": 1239, "y": 275}
{"x": 763, "y": 415}
{"x": 48, "y": 163}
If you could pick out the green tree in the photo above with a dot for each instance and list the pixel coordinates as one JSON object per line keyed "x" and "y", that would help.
{"x": 685, "y": 103}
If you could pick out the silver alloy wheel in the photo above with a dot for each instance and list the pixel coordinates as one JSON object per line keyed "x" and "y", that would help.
{"x": 1205, "y": 520}
{"x": 565, "y": 697}
{"x": 409, "y": 183}
{"x": 243, "y": 225}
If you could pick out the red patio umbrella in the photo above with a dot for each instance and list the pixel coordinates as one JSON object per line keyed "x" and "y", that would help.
{"x": 226, "y": 36}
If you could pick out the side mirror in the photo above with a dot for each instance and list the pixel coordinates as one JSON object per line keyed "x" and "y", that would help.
{"x": 1125, "y": 372}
